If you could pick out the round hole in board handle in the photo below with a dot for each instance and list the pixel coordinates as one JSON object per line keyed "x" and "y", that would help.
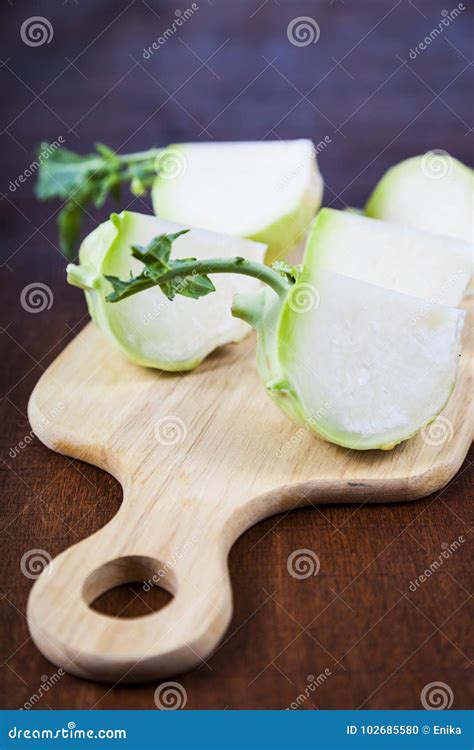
{"x": 106, "y": 592}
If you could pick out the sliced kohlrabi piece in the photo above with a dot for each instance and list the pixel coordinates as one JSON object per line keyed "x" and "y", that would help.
{"x": 267, "y": 191}
{"x": 435, "y": 267}
{"x": 363, "y": 366}
{"x": 150, "y": 329}
{"x": 433, "y": 192}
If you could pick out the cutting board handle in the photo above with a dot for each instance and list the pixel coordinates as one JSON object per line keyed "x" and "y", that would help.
{"x": 178, "y": 557}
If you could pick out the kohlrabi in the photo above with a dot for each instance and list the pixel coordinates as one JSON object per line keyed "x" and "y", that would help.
{"x": 362, "y": 365}
{"x": 434, "y": 267}
{"x": 267, "y": 191}
{"x": 148, "y": 329}
{"x": 433, "y": 192}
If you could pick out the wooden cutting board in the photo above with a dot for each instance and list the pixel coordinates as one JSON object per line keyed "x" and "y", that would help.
{"x": 201, "y": 458}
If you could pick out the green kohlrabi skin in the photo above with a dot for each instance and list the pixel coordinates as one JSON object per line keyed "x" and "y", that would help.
{"x": 433, "y": 192}
{"x": 263, "y": 311}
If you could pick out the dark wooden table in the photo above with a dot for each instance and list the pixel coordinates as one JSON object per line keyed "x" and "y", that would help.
{"x": 231, "y": 73}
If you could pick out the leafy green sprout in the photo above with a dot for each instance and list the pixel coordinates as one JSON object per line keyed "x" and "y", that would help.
{"x": 189, "y": 276}
{"x": 89, "y": 180}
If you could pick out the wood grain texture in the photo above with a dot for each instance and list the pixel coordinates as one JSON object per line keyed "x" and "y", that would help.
{"x": 181, "y": 513}
{"x": 357, "y": 617}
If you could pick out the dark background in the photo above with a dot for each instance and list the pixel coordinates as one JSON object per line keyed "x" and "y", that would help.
{"x": 231, "y": 73}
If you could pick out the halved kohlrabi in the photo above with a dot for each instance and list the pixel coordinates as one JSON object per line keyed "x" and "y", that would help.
{"x": 435, "y": 267}
{"x": 361, "y": 365}
{"x": 433, "y": 192}
{"x": 267, "y": 191}
{"x": 149, "y": 329}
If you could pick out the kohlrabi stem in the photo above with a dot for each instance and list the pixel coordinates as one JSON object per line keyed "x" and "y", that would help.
{"x": 220, "y": 265}
{"x": 231, "y": 265}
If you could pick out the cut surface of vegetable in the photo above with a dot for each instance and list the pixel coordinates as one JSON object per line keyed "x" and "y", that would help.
{"x": 267, "y": 191}
{"x": 435, "y": 267}
{"x": 363, "y": 366}
{"x": 433, "y": 192}
{"x": 148, "y": 328}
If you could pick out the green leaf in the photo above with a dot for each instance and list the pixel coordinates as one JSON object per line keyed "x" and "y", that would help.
{"x": 157, "y": 253}
{"x": 197, "y": 285}
{"x": 107, "y": 153}
{"x": 156, "y": 259}
{"x": 103, "y": 188}
{"x": 69, "y": 224}
{"x": 89, "y": 179}
{"x": 290, "y": 273}
{"x": 123, "y": 289}
{"x": 63, "y": 172}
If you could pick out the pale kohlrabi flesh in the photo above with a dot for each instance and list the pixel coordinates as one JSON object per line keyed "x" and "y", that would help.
{"x": 267, "y": 191}
{"x": 363, "y": 366}
{"x": 433, "y": 192}
{"x": 148, "y": 328}
{"x": 435, "y": 267}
